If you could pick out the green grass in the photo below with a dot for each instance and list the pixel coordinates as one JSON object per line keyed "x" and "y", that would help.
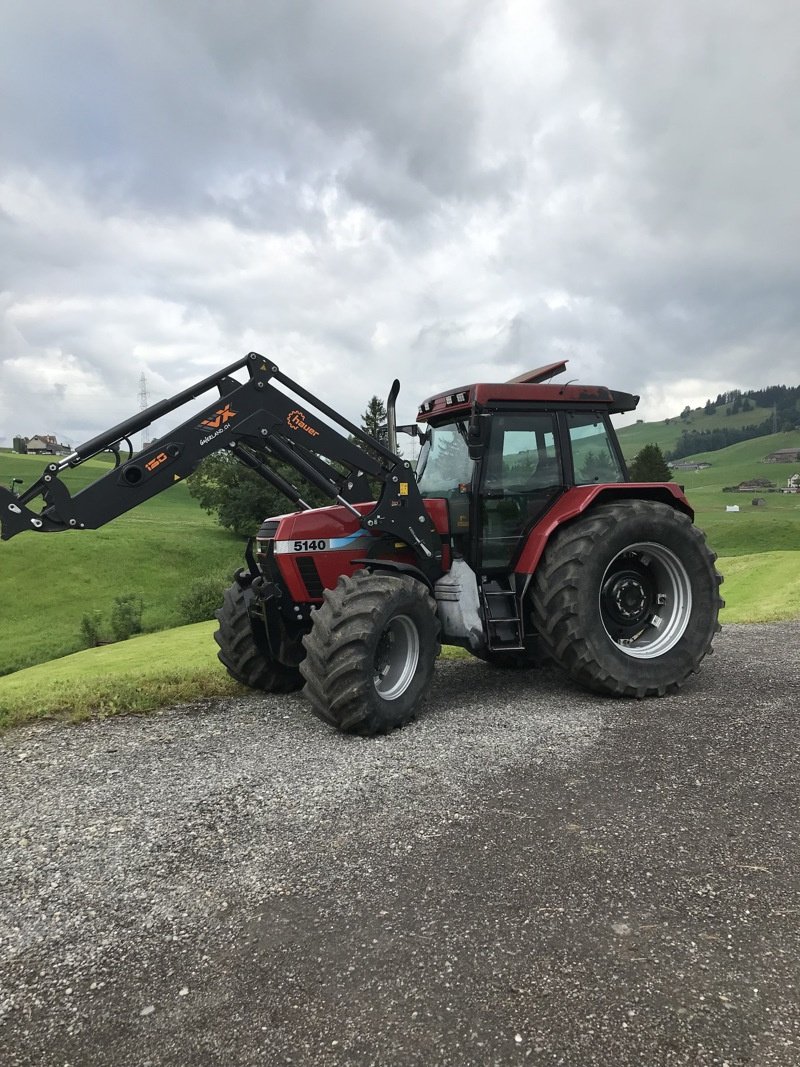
{"x": 48, "y": 582}
{"x": 763, "y": 587}
{"x": 180, "y": 665}
{"x": 665, "y": 435}
{"x": 738, "y": 463}
{"x": 139, "y": 675}
{"x": 773, "y": 527}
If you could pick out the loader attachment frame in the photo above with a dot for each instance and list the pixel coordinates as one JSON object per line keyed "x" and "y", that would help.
{"x": 258, "y": 424}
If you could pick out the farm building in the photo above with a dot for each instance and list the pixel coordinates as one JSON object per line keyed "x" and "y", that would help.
{"x": 44, "y": 444}
{"x": 784, "y": 455}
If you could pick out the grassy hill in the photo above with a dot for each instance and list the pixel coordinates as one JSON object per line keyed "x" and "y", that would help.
{"x": 759, "y": 547}
{"x": 774, "y": 527}
{"x": 665, "y": 434}
{"x": 48, "y": 582}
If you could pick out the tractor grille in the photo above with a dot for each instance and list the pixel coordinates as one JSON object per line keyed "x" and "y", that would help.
{"x": 268, "y": 529}
{"x": 310, "y": 575}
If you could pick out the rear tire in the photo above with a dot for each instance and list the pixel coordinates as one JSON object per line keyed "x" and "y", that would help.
{"x": 371, "y": 652}
{"x": 244, "y": 652}
{"x": 627, "y": 598}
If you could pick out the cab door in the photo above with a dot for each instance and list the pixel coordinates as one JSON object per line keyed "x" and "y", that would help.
{"x": 521, "y": 477}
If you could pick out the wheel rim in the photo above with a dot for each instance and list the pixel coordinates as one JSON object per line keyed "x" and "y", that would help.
{"x": 396, "y": 657}
{"x": 645, "y": 600}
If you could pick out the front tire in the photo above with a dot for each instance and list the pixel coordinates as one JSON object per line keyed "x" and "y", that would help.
{"x": 244, "y": 649}
{"x": 628, "y": 599}
{"x": 371, "y": 652}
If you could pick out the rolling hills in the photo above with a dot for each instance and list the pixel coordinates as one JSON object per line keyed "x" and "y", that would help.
{"x": 667, "y": 432}
{"x": 48, "y": 582}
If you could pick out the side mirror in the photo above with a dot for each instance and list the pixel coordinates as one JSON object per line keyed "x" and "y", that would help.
{"x": 477, "y": 435}
{"x": 409, "y": 428}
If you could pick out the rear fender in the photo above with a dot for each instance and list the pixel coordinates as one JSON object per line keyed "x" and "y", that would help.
{"x": 578, "y": 500}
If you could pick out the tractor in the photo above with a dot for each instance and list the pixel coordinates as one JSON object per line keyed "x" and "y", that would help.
{"x": 519, "y": 537}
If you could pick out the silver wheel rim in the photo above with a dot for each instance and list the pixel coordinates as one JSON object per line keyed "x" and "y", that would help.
{"x": 396, "y": 657}
{"x": 645, "y": 600}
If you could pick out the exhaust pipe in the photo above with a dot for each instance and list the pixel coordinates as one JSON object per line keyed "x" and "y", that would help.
{"x": 391, "y": 417}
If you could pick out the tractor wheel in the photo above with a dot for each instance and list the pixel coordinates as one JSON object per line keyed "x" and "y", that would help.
{"x": 244, "y": 652}
{"x": 371, "y": 652}
{"x": 627, "y": 598}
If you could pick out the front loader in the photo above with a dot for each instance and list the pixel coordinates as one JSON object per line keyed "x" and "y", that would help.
{"x": 519, "y": 538}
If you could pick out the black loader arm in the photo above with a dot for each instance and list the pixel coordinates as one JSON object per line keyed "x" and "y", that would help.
{"x": 258, "y": 423}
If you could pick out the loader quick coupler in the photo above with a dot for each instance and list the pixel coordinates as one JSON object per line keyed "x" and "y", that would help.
{"x": 265, "y": 590}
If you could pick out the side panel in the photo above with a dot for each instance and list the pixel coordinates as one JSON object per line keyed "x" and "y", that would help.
{"x": 578, "y": 499}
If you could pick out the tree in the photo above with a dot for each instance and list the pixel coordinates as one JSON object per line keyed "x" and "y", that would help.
{"x": 371, "y": 421}
{"x": 596, "y": 467}
{"x": 239, "y": 498}
{"x": 374, "y": 417}
{"x": 649, "y": 465}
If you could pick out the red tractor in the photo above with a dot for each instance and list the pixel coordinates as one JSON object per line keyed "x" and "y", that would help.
{"x": 518, "y": 537}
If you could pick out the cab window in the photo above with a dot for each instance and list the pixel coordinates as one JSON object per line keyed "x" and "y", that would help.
{"x": 445, "y": 468}
{"x": 593, "y": 457}
{"x": 522, "y": 477}
{"x": 522, "y": 456}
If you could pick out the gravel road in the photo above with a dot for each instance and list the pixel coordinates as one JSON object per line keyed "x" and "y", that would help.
{"x": 528, "y": 875}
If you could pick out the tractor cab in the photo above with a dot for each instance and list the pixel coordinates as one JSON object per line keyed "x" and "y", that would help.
{"x": 502, "y": 455}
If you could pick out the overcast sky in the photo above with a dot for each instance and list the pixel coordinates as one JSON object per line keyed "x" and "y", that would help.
{"x": 445, "y": 191}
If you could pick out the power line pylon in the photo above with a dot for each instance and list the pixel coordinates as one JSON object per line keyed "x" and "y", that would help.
{"x": 144, "y": 402}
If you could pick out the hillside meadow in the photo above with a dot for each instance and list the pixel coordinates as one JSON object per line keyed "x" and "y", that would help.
{"x": 666, "y": 433}
{"x": 159, "y": 549}
{"x": 49, "y": 581}
{"x": 773, "y": 526}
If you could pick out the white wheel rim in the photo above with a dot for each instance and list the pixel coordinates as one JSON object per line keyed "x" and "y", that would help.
{"x": 645, "y": 600}
{"x": 396, "y": 657}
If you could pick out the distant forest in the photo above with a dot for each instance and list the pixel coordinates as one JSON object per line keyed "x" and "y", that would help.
{"x": 781, "y": 401}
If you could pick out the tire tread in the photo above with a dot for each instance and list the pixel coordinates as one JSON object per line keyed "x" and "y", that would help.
{"x": 558, "y": 580}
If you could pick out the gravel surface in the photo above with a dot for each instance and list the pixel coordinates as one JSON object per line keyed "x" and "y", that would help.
{"x": 529, "y": 874}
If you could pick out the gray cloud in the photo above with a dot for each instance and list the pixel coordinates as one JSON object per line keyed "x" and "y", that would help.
{"x": 444, "y": 192}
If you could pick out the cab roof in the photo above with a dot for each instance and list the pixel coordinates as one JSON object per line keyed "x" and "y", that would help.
{"x": 532, "y": 387}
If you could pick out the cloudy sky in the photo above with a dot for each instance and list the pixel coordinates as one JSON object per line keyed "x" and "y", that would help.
{"x": 444, "y": 191}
